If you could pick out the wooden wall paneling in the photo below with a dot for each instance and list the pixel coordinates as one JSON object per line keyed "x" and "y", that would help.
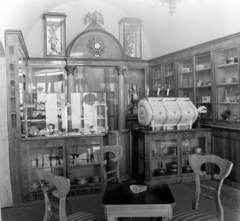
{"x": 226, "y": 145}
{"x": 15, "y": 50}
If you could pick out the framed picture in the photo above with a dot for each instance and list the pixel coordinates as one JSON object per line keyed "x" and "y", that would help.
{"x": 54, "y": 34}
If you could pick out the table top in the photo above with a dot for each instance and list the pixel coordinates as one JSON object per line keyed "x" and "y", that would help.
{"x": 120, "y": 194}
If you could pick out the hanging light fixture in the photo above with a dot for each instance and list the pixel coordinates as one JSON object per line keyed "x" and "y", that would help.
{"x": 172, "y": 4}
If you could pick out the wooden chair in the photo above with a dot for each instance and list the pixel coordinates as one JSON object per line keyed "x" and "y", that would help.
{"x": 59, "y": 187}
{"x": 196, "y": 161}
{"x": 117, "y": 150}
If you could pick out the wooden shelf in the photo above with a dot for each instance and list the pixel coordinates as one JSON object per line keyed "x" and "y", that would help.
{"x": 205, "y": 86}
{"x": 227, "y": 65}
{"x": 205, "y": 69}
{"x": 164, "y": 156}
{"x": 185, "y": 88}
{"x": 227, "y": 84}
{"x": 189, "y": 72}
{"x": 228, "y": 103}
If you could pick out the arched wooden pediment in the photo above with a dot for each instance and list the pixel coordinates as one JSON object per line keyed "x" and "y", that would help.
{"x": 95, "y": 43}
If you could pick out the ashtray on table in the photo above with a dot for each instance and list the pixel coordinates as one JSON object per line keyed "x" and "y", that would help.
{"x": 138, "y": 188}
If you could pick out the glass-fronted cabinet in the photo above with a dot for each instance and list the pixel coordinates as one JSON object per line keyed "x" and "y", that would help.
{"x": 163, "y": 84}
{"x": 157, "y": 81}
{"x": 204, "y": 80}
{"x": 186, "y": 78}
{"x": 169, "y": 80}
{"x": 227, "y": 84}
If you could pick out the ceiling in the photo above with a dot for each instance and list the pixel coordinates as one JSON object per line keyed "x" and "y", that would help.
{"x": 190, "y": 25}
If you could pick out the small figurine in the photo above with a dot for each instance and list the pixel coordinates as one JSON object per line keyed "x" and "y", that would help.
{"x": 185, "y": 81}
{"x": 51, "y": 128}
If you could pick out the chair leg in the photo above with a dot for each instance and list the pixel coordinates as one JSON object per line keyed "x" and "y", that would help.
{"x": 68, "y": 206}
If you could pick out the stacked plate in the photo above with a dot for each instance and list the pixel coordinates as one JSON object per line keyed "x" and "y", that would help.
{"x": 172, "y": 168}
{"x": 81, "y": 180}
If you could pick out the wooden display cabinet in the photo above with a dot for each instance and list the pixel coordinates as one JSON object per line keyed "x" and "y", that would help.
{"x": 163, "y": 155}
{"x": 70, "y": 157}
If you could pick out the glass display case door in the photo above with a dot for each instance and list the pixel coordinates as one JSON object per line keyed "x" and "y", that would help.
{"x": 164, "y": 154}
{"x": 157, "y": 82}
{"x": 204, "y": 81}
{"x": 227, "y": 85}
{"x": 169, "y": 80}
{"x": 186, "y": 79}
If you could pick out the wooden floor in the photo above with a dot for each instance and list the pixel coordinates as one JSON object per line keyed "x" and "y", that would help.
{"x": 182, "y": 193}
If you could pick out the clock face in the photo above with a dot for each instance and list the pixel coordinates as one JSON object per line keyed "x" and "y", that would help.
{"x": 97, "y": 45}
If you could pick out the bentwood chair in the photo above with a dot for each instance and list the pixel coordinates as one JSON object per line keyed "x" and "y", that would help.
{"x": 59, "y": 187}
{"x": 196, "y": 161}
{"x": 100, "y": 156}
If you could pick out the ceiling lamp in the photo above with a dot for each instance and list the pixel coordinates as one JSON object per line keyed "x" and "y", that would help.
{"x": 172, "y": 4}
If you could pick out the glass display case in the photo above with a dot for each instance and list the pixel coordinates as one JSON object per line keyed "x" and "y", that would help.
{"x": 227, "y": 84}
{"x": 157, "y": 81}
{"x": 186, "y": 78}
{"x": 169, "y": 80}
{"x": 204, "y": 79}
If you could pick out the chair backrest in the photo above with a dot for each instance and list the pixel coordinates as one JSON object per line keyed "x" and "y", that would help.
{"x": 59, "y": 187}
{"x": 117, "y": 150}
{"x": 225, "y": 167}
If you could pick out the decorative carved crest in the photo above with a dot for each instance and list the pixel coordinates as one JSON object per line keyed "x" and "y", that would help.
{"x": 96, "y": 46}
{"x": 95, "y": 19}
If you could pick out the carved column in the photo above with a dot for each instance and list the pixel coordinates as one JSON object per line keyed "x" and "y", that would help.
{"x": 121, "y": 98}
{"x": 70, "y": 89}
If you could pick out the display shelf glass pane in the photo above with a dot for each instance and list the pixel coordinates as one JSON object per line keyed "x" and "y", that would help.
{"x": 168, "y": 72}
{"x": 185, "y": 78}
{"x": 82, "y": 163}
{"x": 88, "y": 113}
{"x": 227, "y": 85}
{"x": 164, "y": 157}
{"x": 204, "y": 84}
{"x": 46, "y": 158}
{"x": 157, "y": 81}
{"x": 191, "y": 145}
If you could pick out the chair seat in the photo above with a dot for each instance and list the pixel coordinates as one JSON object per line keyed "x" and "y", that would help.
{"x": 83, "y": 216}
{"x": 192, "y": 215}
